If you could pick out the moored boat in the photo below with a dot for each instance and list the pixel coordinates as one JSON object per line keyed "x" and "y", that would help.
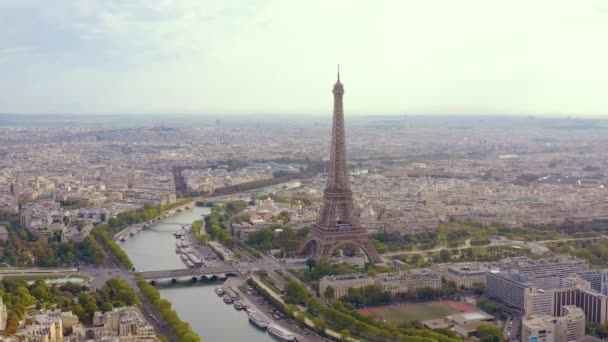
{"x": 257, "y": 320}
{"x": 239, "y": 305}
{"x": 280, "y": 333}
{"x": 220, "y": 291}
{"x": 227, "y": 299}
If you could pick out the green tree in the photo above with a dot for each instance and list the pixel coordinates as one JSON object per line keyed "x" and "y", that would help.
{"x": 229, "y": 242}
{"x": 345, "y": 334}
{"x": 300, "y": 319}
{"x": 296, "y": 292}
{"x": 319, "y": 324}
{"x": 445, "y": 255}
{"x": 311, "y": 263}
{"x": 487, "y": 329}
{"x": 329, "y": 292}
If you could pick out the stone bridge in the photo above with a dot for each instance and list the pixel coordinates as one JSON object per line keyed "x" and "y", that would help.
{"x": 189, "y": 274}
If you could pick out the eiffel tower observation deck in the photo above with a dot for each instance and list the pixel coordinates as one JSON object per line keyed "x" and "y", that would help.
{"x": 337, "y": 224}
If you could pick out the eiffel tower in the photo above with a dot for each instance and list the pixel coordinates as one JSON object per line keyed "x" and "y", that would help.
{"x": 337, "y": 225}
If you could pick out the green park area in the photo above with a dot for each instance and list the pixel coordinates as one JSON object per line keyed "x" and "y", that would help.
{"x": 475, "y": 234}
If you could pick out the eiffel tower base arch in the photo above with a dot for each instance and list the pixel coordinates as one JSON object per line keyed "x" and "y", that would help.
{"x": 321, "y": 249}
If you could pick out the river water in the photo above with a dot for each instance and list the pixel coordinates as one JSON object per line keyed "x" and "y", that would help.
{"x": 209, "y": 316}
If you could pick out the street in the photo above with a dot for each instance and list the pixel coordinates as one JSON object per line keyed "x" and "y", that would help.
{"x": 101, "y": 274}
{"x": 258, "y": 304}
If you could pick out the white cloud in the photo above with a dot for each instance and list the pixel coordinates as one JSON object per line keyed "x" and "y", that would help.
{"x": 152, "y": 56}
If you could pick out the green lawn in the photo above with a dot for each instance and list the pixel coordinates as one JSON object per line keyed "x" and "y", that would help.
{"x": 419, "y": 312}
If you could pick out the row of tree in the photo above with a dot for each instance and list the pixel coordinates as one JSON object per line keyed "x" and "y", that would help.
{"x": 103, "y": 236}
{"x": 147, "y": 213}
{"x": 493, "y": 308}
{"x": 181, "y": 329}
{"x": 216, "y": 223}
{"x": 288, "y": 240}
{"x": 595, "y": 251}
{"x": 200, "y": 235}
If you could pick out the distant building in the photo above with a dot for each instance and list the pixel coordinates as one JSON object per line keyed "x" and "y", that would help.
{"x": 405, "y": 281}
{"x": 539, "y": 302}
{"x": 396, "y": 282}
{"x": 598, "y": 280}
{"x": 46, "y": 326}
{"x": 545, "y": 273}
{"x": 593, "y": 304}
{"x": 467, "y": 276}
{"x": 125, "y": 322}
{"x": 569, "y": 326}
{"x": 508, "y": 288}
{"x": 464, "y": 324}
{"x": 44, "y": 219}
{"x": 575, "y": 291}
{"x": 341, "y": 283}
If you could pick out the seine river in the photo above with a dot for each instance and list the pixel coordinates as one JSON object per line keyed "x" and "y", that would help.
{"x": 209, "y": 316}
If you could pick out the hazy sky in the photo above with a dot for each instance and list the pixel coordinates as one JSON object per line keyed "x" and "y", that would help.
{"x": 249, "y": 56}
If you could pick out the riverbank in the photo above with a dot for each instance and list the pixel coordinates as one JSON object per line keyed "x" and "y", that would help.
{"x": 137, "y": 227}
{"x": 197, "y": 304}
{"x": 276, "y": 297}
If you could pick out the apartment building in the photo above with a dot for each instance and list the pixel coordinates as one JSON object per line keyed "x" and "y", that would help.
{"x": 405, "y": 281}
{"x": 467, "y": 276}
{"x": 396, "y": 282}
{"x": 341, "y": 283}
{"x": 508, "y": 288}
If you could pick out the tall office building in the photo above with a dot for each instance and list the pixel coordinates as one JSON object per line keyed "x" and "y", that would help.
{"x": 508, "y": 288}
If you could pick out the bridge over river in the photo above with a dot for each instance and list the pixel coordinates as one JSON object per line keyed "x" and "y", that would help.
{"x": 190, "y": 274}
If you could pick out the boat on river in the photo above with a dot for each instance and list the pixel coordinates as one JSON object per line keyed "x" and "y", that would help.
{"x": 220, "y": 291}
{"x": 227, "y": 299}
{"x": 257, "y": 320}
{"x": 233, "y": 294}
{"x": 239, "y": 305}
{"x": 280, "y": 333}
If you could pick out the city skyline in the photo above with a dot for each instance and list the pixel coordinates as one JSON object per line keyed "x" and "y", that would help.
{"x": 159, "y": 57}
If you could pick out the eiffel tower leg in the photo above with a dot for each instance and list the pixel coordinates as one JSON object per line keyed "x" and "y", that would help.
{"x": 371, "y": 252}
{"x": 308, "y": 245}
{"x": 324, "y": 251}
